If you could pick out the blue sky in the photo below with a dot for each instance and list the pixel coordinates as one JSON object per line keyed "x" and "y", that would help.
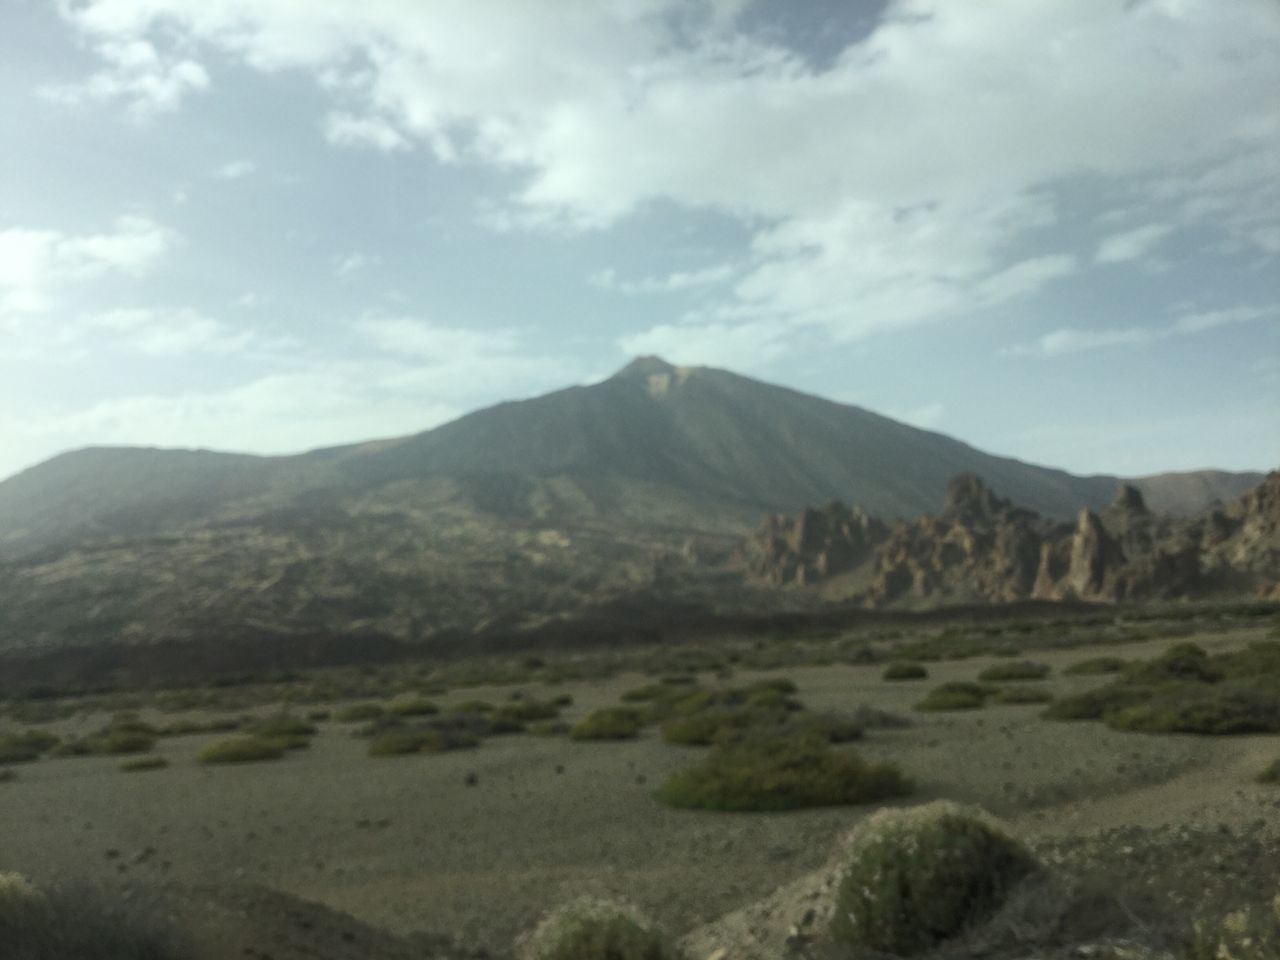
{"x": 1051, "y": 229}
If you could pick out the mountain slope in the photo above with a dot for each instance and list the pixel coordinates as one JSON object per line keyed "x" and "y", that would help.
{"x": 715, "y": 448}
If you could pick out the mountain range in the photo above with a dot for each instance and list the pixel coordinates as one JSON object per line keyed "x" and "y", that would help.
{"x": 518, "y": 513}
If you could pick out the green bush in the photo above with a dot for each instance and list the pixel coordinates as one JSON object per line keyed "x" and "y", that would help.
{"x": 1183, "y": 662}
{"x": 1014, "y": 671}
{"x": 473, "y": 706}
{"x": 78, "y": 923}
{"x": 396, "y": 743}
{"x": 956, "y": 695}
{"x": 110, "y": 741}
{"x": 416, "y": 707}
{"x": 1250, "y": 933}
{"x": 1096, "y": 704}
{"x": 292, "y": 731}
{"x": 1021, "y": 694}
{"x": 187, "y": 728}
{"x": 1095, "y": 666}
{"x": 7, "y": 775}
{"x": 1228, "y": 707}
{"x": 608, "y": 723}
{"x": 140, "y": 764}
{"x": 359, "y": 713}
{"x": 525, "y": 711}
{"x": 26, "y": 746}
{"x": 1271, "y": 774}
{"x": 905, "y": 670}
{"x": 242, "y": 750}
{"x": 549, "y": 728}
{"x": 11, "y": 752}
{"x": 594, "y": 929}
{"x": 917, "y": 877}
{"x": 712, "y": 725}
{"x": 771, "y": 773}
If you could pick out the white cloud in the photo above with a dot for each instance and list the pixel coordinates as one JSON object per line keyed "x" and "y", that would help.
{"x": 281, "y": 412}
{"x": 348, "y": 130}
{"x": 1075, "y": 340}
{"x": 137, "y": 73}
{"x": 235, "y": 170}
{"x": 887, "y": 187}
{"x": 346, "y": 264}
{"x": 676, "y": 282}
{"x": 420, "y": 338}
{"x": 163, "y": 333}
{"x": 36, "y": 265}
{"x": 1131, "y": 244}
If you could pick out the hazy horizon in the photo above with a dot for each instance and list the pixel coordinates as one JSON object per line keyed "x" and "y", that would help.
{"x": 1049, "y": 230}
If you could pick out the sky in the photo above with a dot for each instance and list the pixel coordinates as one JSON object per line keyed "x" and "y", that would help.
{"x": 1050, "y": 228}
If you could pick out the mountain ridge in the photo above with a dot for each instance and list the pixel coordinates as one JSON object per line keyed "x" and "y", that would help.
{"x": 735, "y": 446}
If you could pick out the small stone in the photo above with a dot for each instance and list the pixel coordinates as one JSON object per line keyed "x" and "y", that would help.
{"x": 720, "y": 953}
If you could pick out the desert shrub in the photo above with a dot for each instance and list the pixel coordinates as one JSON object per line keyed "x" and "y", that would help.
{"x": 1096, "y": 704}
{"x": 905, "y": 670}
{"x": 294, "y": 731}
{"x": 359, "y": 713}
{"x": 187, "y": 728}
{"x": 140, "y": 764}
{"x": 501, "y": 721}
{"x": 78, "y": 923}
{"x": 1222, "y": 708}
{"x": 527, "y": 710}
{"x": 609, "y": 723}
{"x": 917, "y": 877}
{"x": 110, "y": 741}
{"x": 956, "y": 695}
{"x": 1271, "y": 774}
{"x": 422, "y": 740}
{"x": 709, "y": 726}
{"x": 13, "y": 751}
{"x": 1014, "y": 671}
{"x": 1182, "y": 662}
{"x": 1250, "y": 933}
{"x": 873, "y": 718}
{"x": 549, "y": 728}
{"x": 319, "y": 716}
{"x": 563, "y": 700}
{"x": 771, "y": 773}
{"x": 26, "y": 746}
{"x": 473, "y": 706}
{"x": 1021, "y": 694}
{"x": 831, "y": 726}
{"x": 650, "y": 691}
{"x": 592, "y": 929}
{"x": 7, "y": 775}
{"x": 1095, "y": 666}
{"x": 242, "y": 750}
{"x": 416, "y": 707}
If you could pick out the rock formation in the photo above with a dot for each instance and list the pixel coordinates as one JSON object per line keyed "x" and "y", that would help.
{"x": 982, "y": 548}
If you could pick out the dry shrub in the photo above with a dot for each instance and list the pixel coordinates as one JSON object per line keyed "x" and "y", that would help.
{"x": 917, "y": 877}
{"x": 595, "y": 929}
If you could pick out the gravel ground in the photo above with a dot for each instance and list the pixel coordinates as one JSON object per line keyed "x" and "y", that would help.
{"x": 403, "y": 846}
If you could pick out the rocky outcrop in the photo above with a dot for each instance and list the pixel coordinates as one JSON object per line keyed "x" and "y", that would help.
{"x": 814, "y": 545}
{"x": 982, "y": 548}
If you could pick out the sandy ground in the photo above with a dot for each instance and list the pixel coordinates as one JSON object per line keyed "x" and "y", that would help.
{"x": 404, "y": 845}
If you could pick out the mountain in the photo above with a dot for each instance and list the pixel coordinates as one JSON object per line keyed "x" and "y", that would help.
{"x": 712, "y": 448}
{"x": 980, "y": 548}
{"x": 519, "y": 514}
